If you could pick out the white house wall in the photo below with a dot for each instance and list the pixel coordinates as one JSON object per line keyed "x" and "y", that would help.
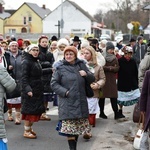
{"x": 73, "y": 19}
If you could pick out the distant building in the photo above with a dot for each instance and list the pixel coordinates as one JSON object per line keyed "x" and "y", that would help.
{"x": 76, "y": 21}
{"x": 26, "y": 19}
{"x": 3, "y": 16}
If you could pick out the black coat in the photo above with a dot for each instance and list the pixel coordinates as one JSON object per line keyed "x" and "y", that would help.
{"x": 127, "y": 75}
{"x": 46, "y": 60}
{"x": 31, "y": 82}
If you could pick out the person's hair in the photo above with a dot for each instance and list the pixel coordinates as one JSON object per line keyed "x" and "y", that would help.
{"x": 93, "y": 52}
{"x": 41, "y": 37}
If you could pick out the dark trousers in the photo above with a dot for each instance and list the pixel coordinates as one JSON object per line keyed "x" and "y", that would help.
{"x": 113, "y": 104}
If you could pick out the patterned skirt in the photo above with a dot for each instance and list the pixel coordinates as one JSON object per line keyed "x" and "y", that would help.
{"x": 73, "y": 127}
{"x": 128, "y": 98}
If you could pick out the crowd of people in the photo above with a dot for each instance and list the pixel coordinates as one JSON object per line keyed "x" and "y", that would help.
{"x": 55, "y": 70}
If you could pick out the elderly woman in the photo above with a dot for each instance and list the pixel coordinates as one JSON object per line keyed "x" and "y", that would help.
{"x": 128, "y": 91}
{"x": 32, "y": 90}
{"x": 68, "y": 82}
{"x": 7, "y": 84}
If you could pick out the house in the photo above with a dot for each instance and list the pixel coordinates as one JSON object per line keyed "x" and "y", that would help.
{"x": 26, "y": 19}
{"x": 68, "y": 19}
{"x": 3, "y": 16}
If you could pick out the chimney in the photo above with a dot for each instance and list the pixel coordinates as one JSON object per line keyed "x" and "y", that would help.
{"x": 44, "y": 7}
{"x": 1, "y": 8}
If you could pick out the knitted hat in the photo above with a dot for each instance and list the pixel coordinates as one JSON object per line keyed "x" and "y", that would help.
{"x": 13, "y": 42}
{"x": 109, "y": 45}
{"x": 62, "y": 41}
{"x": 20, "y": 43}
{"x": 71, "y": 48}
{"x": 84, "y": 43}
{"x": 30, "y": 47}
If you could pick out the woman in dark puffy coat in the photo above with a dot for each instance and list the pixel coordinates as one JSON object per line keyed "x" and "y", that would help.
{"x": 68, "y": 82}
{"x": 46, "y": 60}
{"x": 32, "y": 90}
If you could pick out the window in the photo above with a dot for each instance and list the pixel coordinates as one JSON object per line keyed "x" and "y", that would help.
{"x": 12, "y": 31}
{"x": 24, "y": 20}
{"x": 30, "y": 19}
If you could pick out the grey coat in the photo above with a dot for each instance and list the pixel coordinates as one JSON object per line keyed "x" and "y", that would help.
{"x": 7, "y": 84}
{"x": 143, "y": 67}
{"x": 67, "y": 78}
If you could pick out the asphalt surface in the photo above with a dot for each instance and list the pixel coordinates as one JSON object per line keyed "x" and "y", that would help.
{"x": 108, "y": 134}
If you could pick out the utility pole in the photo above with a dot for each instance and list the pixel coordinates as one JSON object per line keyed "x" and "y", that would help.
{"x": 61, "y": 20}
{"x": 58, "y": 25}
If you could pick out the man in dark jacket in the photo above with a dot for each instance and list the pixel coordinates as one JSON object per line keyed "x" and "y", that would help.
{"x": 139, "y": 50}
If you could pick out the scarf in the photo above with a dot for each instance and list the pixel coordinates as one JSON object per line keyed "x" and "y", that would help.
{"x": 91, "y": 66}
{"x": 110, "y": 57}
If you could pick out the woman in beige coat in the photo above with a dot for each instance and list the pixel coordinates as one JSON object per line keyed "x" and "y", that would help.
{"x": 97, "y": 70}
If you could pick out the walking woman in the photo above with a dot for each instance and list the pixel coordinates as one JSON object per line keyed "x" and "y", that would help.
{"x": 32, "y": 90}
{"x": 110, "y": 88}
{"x": 128, "y": 90}
{"x": 97, "y": 70}
{"x": 68, "y": 82}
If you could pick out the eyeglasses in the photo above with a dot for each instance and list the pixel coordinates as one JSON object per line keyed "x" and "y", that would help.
{"x": 35, "y": 50}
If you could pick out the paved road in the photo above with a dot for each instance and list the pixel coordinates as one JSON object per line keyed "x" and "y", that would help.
{"x": 108, "y": 134}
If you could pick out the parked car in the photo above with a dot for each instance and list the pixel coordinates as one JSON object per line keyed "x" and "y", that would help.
{"x": 105, "y": 37}
{"x": 119, "y": 37}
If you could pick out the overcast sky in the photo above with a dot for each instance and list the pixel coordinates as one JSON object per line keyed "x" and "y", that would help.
{"x": 88, "y": 5}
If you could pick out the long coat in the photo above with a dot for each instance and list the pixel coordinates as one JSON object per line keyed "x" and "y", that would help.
{"x": 110, "y": 88}
{"x": 31, "y": 82}
{"x": 127, "y": 75}
{"x": 46, "y": 60}
{"x": 7, "y": 84}
{"x": 67, "y": 78}
{"x": 145, "y": 99}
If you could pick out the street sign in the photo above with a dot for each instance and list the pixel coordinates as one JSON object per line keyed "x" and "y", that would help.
{"x": 130, "y": 26}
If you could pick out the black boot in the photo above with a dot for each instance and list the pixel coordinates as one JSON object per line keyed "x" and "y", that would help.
{"x": 120, "y": 112}
{"x": 102, "y": 115}
{"x": 118, "y": 115}
{"x": 72, "y": 144}
{"x": 101, "y": 105}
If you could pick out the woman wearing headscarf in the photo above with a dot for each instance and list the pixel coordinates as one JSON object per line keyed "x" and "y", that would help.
{"x": 110, "y": 88}
{"x": 68, "y": 82}
{"x": 128, "y": 91}
{"x": 32, "y": 90}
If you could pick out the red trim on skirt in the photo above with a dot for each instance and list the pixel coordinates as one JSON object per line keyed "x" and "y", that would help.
{"x": 31, "y": 118}
{"x": 13, "y": 105}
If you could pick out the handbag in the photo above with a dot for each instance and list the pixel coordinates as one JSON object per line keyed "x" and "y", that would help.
{"x": 136, "y": 113}
{"x": 88, "y": 89}
{"x": 16, "y": 93}
{"x": 141, "y": 138}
